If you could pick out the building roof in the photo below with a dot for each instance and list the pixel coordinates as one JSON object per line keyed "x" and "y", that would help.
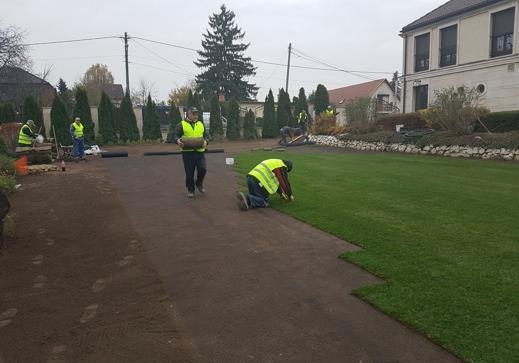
{"x": 340, "y": 95}
{"x": 15, "y": 75}
{"x": 448, "y": 10}
{"x": 113, "y": 91}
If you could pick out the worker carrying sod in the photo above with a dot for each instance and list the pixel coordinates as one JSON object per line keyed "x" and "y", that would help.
{"x": 27, "y": 134}
{"x": 267, "y": 178}
{"x": 191, "y": 136}
{"x": 78, "y": 138}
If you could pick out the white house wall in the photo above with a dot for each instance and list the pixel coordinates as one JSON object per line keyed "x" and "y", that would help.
{"x": 474, "y": 38}
{"x": 499, "y": 75}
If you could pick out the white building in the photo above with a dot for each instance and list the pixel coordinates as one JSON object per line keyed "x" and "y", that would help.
{"x": 469, "y": 43}
{"x": 379, "y": 90}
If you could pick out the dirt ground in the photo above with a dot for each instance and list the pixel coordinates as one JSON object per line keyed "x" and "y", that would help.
{"x": 112, "y": 263}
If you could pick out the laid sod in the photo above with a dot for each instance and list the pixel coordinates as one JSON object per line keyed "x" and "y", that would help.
{"x": 443, "y": 233}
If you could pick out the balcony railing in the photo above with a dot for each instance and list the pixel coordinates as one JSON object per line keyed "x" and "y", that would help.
{"x": 421, "y": 63}
{"x": 502, "y": 44}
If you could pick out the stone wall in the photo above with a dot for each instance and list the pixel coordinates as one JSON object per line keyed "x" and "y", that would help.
{"x": 451, "y": 151}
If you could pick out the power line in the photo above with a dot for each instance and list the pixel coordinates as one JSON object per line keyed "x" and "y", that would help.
{"x": 168, "y": 44}
{"x": 76, "y": 58}
{"x": 74, "y": 40}
{"x": 161, "y": 57}
{"x": 160, "y": 69}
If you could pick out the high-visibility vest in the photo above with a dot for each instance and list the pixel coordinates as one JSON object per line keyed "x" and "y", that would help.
{"x": 264, "y": 172}
{"x": 191, "y": 132}
{"x": 329, "y": 112}
{"x": 24, "y": 139}
{"x": 78, "y": 130}
{"x": 301, "y": 117}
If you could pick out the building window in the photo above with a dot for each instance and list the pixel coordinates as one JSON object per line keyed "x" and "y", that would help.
{"x": 449, "y": 46}
{"x": 421, "y": 97}
{"x": 422, "y": 52}
{"x": 503, "y": 32}
{"x": 383, "y": 104}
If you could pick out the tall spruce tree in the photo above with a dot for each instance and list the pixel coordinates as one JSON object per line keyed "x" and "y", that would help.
{"x": 302, "y": 103}
{"x": 106, "y": 120}
{"x": 322, "y": 100}
{"x": 215, "y": 120}
{"x": 66, "y": 95}
{"x": 151, "y": 124}
{"x": 233, "y": 120}
{"x": 270, "y": 127}
{"x": 284, "y": 111}
{"x": 249, "y": 126}
{"x": 197, "y": 102}
{"x": 60, "y": 122}
{"x": 126, "y": 119}
{"x": 174, "y": 120}
{"x": 225, "y": 68}
{"x": 8, "y": 113}
{"x": 82, "y": 110}
{"x": 33, "y": 111}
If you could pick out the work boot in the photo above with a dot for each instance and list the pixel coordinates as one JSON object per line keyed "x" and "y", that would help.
{"x": 242, "y": 205}
{"x": 243, "y": 202}
{"x": 190, "y": 194}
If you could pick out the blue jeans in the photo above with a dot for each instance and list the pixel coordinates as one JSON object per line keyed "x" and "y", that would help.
{"x": 258, "y": 196}
{"x": 78, "y": 147}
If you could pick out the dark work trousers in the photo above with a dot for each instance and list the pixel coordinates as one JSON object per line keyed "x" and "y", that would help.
{"x": 258, "y": 196}
{"x": 194, "y": 160}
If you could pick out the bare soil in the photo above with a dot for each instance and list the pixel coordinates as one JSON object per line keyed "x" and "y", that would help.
{"x": 112, "y": 263}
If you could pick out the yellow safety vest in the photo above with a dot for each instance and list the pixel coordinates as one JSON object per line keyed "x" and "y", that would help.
{"x": 191, "y": 132}
{"x": 328, "y": 113}
{"x": 24, "y": 139}
{"x": 301, "y": 117}
{"x": 264, "y": 172}
{"x": 78, "y": 130}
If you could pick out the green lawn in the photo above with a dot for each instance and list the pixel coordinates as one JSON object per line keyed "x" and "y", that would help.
{"x": 443, "y": 233}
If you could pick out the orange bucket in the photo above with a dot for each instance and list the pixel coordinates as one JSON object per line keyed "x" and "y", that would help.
{"x": 21, "y": 165}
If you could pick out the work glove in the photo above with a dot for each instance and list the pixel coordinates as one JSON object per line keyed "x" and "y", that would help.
{"x": 180, "y": 143}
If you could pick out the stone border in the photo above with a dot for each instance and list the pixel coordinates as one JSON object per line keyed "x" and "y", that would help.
{"x": 451, "y": 151}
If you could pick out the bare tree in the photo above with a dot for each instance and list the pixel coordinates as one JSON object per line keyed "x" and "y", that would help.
{"x": 140, "y": 94}
{"x": 13, "y": 51}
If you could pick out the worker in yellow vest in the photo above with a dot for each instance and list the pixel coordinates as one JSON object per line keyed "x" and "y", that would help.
{"x": 267, "y": 178}
{"x": 329, "y": 112}
{"x": 78, "y": 135}
{"x": 187, "y": 130}
{"x": 27, "y": 134}
{"x": 302, "y": 121}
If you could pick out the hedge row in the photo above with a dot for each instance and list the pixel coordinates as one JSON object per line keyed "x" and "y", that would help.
{"x": 499, "y": 122}
{"x": 508, "y": 140}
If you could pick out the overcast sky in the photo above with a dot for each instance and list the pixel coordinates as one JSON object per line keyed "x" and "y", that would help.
{"x": 354, "y": 35}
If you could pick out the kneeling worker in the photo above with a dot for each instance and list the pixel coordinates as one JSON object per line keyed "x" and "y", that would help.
{"x": 27, "y": 134}
{"x": 267, "y": 178}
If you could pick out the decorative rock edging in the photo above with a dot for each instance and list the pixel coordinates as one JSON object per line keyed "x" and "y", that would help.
{"x": 451, "y": 151}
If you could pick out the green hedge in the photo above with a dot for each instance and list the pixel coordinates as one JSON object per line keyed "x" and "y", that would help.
{"x": 499, "y": 122}
{"x": 411, "y": 121}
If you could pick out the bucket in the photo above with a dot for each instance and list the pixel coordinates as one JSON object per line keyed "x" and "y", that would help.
{"x": 229, "y": 161}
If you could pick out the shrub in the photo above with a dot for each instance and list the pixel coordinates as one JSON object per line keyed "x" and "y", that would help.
{"x": 455, "y": 110}
{"x": 499, "y": 122}
{"x": 3, "y": 147}
{"x": 323, "y": 125}
{"x": 360, "y": 114}
{"x": 411, "y": 121}
{"x": 6, "y": 165}
{"x": 7, "y": 182}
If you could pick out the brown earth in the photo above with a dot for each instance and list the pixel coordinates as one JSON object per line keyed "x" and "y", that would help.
{"x": 112, "y": 263}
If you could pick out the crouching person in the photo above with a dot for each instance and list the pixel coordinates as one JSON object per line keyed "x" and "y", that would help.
{"x": 267, "y": 178}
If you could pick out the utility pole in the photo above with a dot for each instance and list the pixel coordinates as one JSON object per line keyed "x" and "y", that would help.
{"x": 126, "y": 62}
{"x": 288, "y": 65}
